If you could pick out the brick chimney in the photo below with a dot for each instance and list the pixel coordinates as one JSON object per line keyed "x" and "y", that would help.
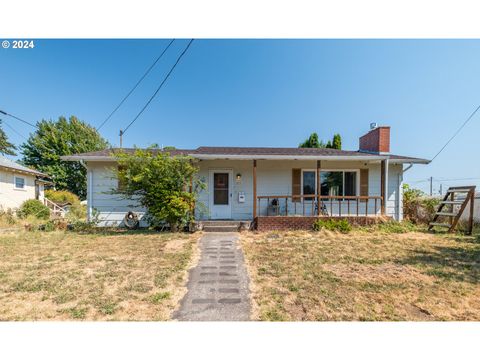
{"x": 377, "y": 140}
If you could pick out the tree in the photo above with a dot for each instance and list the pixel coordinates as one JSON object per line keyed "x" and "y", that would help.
{"x": 337, "y": 142}
{"x": 6, "y": 147}
{"x": 313, "y": 142}
{"x": 161, "y": 183}
{"x": 53, "y": 139}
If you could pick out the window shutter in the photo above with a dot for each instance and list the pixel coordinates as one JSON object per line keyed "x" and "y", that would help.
{"x": 363, "y": 182}
{"x": 296, "y": 184}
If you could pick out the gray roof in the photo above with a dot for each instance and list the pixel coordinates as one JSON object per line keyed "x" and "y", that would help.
{"x": 7, "y": 163}
{"x": 210, "y": 152}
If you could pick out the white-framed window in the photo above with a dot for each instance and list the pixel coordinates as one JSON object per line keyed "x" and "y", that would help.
{"x": 332, "y": 182}
{"x": 19, "y": 182}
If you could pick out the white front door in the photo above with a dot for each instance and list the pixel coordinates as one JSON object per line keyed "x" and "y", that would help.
{"x": 221, "y": 194}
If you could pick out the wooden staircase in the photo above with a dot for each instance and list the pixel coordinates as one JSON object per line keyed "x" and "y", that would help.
{"x": 55, "y": 209}
{"x": 450, "y": 203}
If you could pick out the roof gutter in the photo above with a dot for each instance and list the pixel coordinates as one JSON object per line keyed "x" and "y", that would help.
{"x": 264, "y": 157}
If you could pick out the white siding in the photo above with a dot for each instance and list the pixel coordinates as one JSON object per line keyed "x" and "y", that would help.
{"x": 11, "y": 198}
{"x": 111, "y": 209}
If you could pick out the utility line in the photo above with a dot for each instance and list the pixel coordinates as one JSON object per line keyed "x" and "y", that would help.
{"x": 158, "y": 89}
{"x": 13, "y": 129}
{"x": 15, "y": 117}
{"x": 136, "y": 85}
{"x": 444, "y": 180}
{"x": 456, "y": 133}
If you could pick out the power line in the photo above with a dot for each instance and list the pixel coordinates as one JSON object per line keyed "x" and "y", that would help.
{"x": 13, "y": 129}
{"x": 443, "y": 180}
{"x": 15, "y": 117}
{"x": 158, "y": 89}
{"x": 456, "y": 133}
{"x": 136, "y": 85}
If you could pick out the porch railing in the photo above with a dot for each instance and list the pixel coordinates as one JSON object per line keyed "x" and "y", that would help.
{"x": 314, "y": 205}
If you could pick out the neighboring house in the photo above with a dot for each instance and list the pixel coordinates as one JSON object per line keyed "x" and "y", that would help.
{"x": 275, "y": 187}
{"x": 476, "y": 210}
{"x": 19, "y": 183}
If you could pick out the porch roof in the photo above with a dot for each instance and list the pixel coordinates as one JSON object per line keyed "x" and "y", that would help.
{"x": 257, "y": 153}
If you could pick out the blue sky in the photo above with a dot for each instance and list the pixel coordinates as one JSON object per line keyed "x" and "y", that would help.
{"x": 260, "y": 93}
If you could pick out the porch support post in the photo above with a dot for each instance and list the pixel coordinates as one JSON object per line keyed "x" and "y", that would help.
{"x": 384, "y": 184}
{"x": 254, "y": 189}
{"x": 319, "y": 165}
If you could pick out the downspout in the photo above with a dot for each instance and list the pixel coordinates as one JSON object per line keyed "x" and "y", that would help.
{"x": 89, "y": 190}
{"x": 400, "y": 179}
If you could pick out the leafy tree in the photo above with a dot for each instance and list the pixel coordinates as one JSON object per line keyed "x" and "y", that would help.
{"x": 160, "y": 183}
{"x": 337, "y": 142}
{"x": 53, "y": 139}
{"x": 314, "y": 142}
{"x": 6, "y": 147}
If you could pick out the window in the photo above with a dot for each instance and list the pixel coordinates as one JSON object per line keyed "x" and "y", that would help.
{"x": 308, "y": 181}
{"x": 220, "y": 188}
{"x": 338, "y": 183}
{"x": 19, "y": 182}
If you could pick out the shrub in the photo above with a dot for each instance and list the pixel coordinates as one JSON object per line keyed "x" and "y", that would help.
{"x": 76, "y": 212}
{"x": 62, "y": 197}
{"x": 342, "y": 225}
{"x": 7, "y": 217}
{"x": 33, "y": 208}
{"x": 54, "y": 224}
{"x": 161, "y": 183}
{"x": 417, "y": 206}
{"x": 394, "y": 227}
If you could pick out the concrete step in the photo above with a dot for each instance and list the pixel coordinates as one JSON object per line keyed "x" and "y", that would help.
{"x": 221, "y": 223}
{"x": 224, "y": 225}
{"x": 220, "y": 228}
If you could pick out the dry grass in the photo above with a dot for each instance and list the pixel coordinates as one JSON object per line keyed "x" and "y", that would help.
{"x": 363, "y": 276}
{"x": 104, "y": 276}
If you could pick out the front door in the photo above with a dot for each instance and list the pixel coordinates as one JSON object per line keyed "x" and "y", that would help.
{"x": 221, "y": 194}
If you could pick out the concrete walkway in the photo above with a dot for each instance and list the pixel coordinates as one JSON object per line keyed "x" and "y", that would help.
{"x": 218, "y": 285}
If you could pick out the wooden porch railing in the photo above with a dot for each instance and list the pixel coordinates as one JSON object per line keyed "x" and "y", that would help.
{"x": 307, "y": 205}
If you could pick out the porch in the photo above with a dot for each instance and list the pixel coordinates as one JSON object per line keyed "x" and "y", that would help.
{"x": 269, "y": 191}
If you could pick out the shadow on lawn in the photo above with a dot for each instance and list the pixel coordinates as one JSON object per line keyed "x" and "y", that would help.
{"x": 448, "y": 262}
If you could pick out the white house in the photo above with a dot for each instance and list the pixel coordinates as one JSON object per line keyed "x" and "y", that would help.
{"x": 19, "y": 183}
{"x": 275, "y": 187}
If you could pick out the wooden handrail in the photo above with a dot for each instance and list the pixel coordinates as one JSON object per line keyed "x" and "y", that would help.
{"x": 321, "y": 197}
{"x": 315, "y": 205}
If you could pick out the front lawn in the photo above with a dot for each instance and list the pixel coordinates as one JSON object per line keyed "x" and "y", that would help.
{"x": 363, "y": 276}
{"x": 105, "y": 276}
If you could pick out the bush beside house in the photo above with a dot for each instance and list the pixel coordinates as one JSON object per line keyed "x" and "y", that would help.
{"x": 417, "y": 206}
{"x": 33, "y": 208}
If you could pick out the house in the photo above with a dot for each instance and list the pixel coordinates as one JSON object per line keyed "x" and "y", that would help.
{"x": 19, "y": 183}
{"x": 275, "y": 187}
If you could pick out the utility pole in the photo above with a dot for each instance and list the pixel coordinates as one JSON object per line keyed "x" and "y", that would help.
{"x": 121, "y": 137}
{"x": 441, "y": 189}
{"x": 431, "y": 185}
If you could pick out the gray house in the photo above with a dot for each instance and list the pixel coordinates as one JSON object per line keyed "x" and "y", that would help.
{"x": 277, "y": 188}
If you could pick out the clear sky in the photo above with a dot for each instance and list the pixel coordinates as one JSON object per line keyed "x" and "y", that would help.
{"x": 260, "y": 93}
